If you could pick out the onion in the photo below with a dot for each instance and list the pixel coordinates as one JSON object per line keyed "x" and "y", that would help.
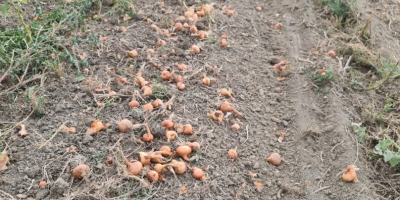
{"x": 206, "y": 80}
{"x": 350, "y": 175}
{"x": 109, "y": 160}
{"x": 229, "y": 12}
{"x": 226, "y": 92}
{"x": 160, "y": 168}
{"x": 153, "y": 26}
{"x": 186, "y": 25}
{"x": 167, "y": 124}
{"x": 195, "y": 146}
{"x": 274, "y": 159}
{"x": 193, "y": 29}
{"x": 180, "y": 67}
{"x": 332, "y": 54}
{"x": 178, "y": 78}
{"x": 227, "y": 107}
{"x": 202, "y": 34}
{"x": 187, "y": 129}
{"x": 171, "y": 135}
{"x": 148, "y": 107}
{"x": 232, "y": 154}
{"x": 184, "y": 151}
{"x": 148, "y": 137}
{"x": 125, "y": 126}
{"x": 179, "y": 166}
{"x": 178, "y": 26}
{"x": 152, "y": 176}
{"x": 132, "y": 54}
{"x": 259, "y": 9}
{"x": 150, "y": 53}
{"x": 166, "y": 151}
{"x": 147, "y": 91}
{"x": 235, "y": 127}
{"x": 80, "y": 171}
{"x": 160, "y": 43}
{"x": 278, "y": 26}
{"x": 200, "y": 13}
{"x": 144, "y": 159}
{"x": 198, "y": 173}
{"x": 134, "y": 167}
{"x": 165, "y": 75}
{"x": 216, "y": 115}
{"x": 223, "y": 43}
{"x": 22, "y": 130}
{"x": 157, "y": 103}
{"x": 180, "y": 86}
{"x": 42, "y": 183}
{"x": 133, "y": 104}
{"x": 195, "y": 49}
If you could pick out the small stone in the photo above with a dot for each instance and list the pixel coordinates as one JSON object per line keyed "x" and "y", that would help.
{"x": 87, "y": 139}
{"x": 256, "y": 165}
{"x": 21, "y": 196}
{"x": 32, "y": 171}
{"x": 41, "y": 194}
{"x": 285, "y": 123}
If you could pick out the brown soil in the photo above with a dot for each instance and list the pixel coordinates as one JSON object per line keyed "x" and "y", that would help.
{"x": 318, "y": 145}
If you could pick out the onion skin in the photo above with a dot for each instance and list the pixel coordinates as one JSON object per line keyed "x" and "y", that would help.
{"x": 148, "y": 137}
{"x": 274, "y": 159}
{"x": 80, "y": 171}
{"x": 171, "y": 135}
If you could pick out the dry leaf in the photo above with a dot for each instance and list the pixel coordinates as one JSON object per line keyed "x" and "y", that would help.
{"x": 126, "y": 18}
{"x": 123, "y": 29}
{"x": 183, "y": 190}
{"x": 66, "y": 129}
{"x": 238, "y": 194}
{"x": 259, "y": 186}
{"x": 102, "y": 38}
{"x": 96, "y": 127}
{"x": 314, "y": 52}
{"x": 281, "y": 79}
{"x": 22, "y": 132}
{"x": 252, "y": 174}
{"x": 281, "y": 136}
{"x": 3, "y": 161}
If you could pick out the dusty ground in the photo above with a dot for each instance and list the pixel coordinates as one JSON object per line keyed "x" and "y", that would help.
{"x": 319, "y": 141}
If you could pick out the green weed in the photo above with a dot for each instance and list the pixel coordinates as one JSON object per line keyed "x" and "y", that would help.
{"x": 343, "y": 10}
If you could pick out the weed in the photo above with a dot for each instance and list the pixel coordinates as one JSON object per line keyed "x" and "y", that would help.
{"x": 212, "y": 40}
{"x": 323, "y": 78}
{"x": 159, "y": 91}
{"x": 390, "y": 151}
{"x": 343, "y": 10}
{"x": 360, "y": 130}
{"x": 98, "y": 156}
{"x": 389, "y": 103}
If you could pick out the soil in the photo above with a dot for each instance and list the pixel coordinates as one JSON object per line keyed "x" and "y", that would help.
{"x": 318, "y": 144}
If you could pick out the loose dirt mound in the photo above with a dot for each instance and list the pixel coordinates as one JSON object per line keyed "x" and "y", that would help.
{"x": 317, "y": 146}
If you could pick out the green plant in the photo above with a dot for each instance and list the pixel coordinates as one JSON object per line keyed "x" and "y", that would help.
{"x": 389, "y": 103}
{"x": 343, "y": 10}
{"x": 390, "y": 151}
{"x": 388, "y": 70}
{"x": 360, "y": 130}
{"x": 159, "y": 91}
{"x": 323, "y": 78}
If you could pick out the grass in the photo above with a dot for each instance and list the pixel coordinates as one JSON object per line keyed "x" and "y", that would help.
{"x": 322, "y": 79}
{"x": 342, "y": 10}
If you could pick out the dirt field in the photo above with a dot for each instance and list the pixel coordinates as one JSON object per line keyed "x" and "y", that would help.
{"x": 315, "y": 112}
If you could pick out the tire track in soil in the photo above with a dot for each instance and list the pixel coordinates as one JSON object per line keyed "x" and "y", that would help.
{"x": 317, "y": 146}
